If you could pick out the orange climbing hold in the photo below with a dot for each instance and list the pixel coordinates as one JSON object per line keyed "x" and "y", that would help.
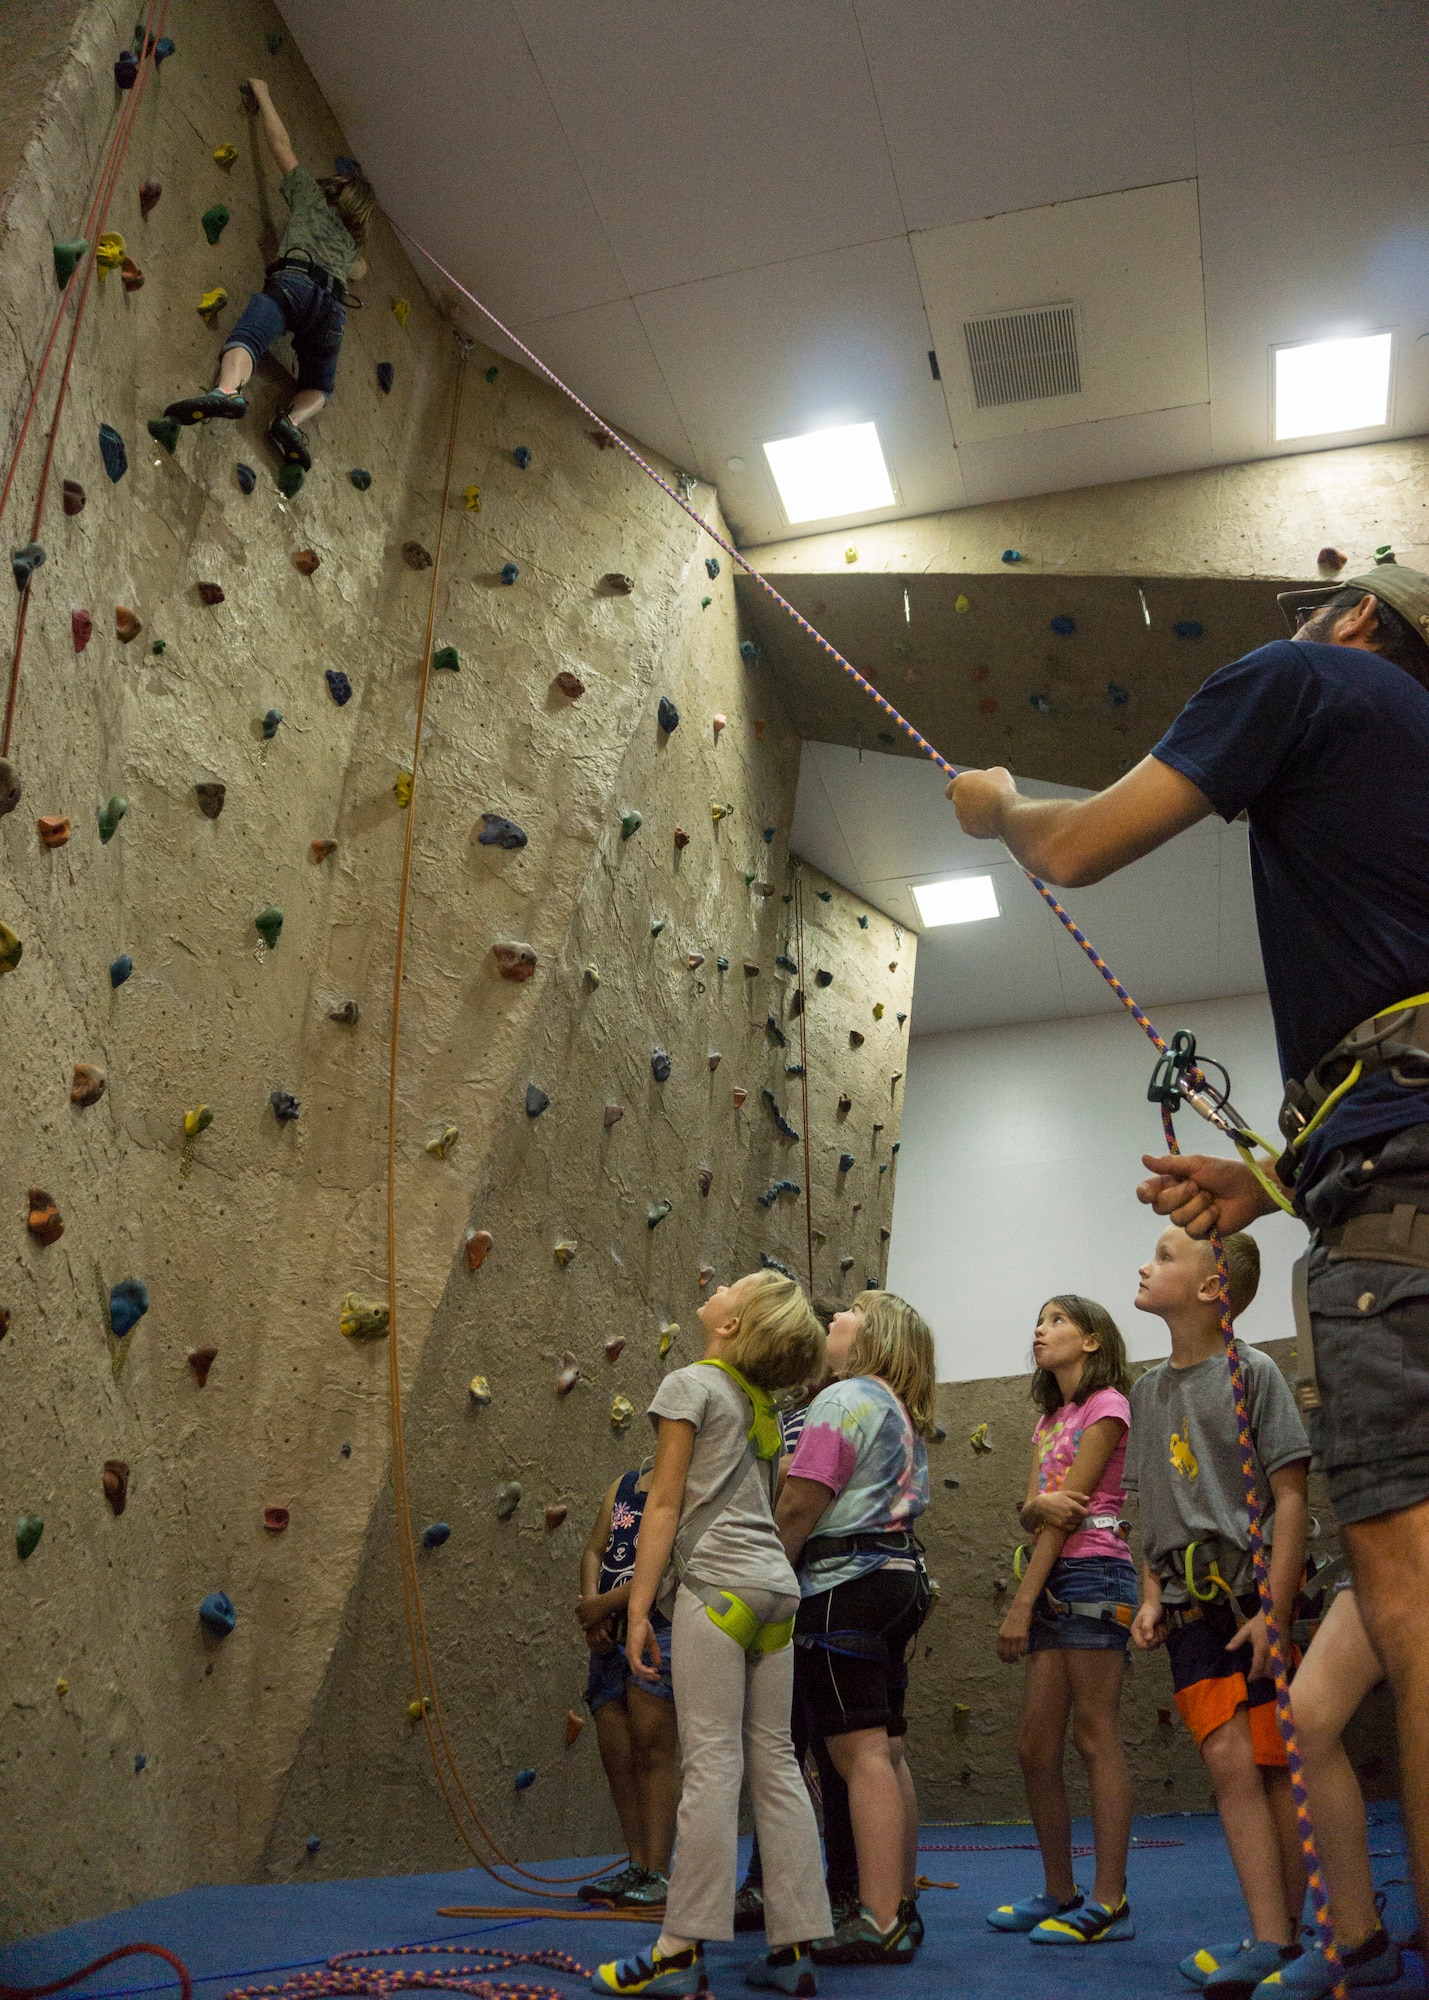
{"x": 132, "y": 276}
{"x": 739, "y": 1096}
{"x": 89, "y": 1084}
{"x": 116, "y": 1484}
{"x": 201, "y": 1359}
{"x": 682, "y": 839}
{"x": 323, "y": 848}
{"x": 574, "y": 1725}
{"x": 719, "y": 723}
{"x": 478, "y": 1248}
{"x": 45, "y": 1224}
{"x": 126, "y": 624}
{"x": 275, "y": 1519}
{"x": 54, "y": 829}
{"x": 306, "y": 560}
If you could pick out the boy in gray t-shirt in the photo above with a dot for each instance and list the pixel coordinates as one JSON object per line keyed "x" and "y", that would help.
{"x": 1183, "y": 1461}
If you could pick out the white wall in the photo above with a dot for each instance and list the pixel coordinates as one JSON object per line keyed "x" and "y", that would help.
{"x": 1021, "y": 1150}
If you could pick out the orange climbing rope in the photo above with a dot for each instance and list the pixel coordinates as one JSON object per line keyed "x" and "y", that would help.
{"x": 98, "y": 216}
{"x": 804, "y": 1070}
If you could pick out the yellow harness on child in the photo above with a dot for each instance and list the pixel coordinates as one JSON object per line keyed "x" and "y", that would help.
{"x": 764, "y": 1444}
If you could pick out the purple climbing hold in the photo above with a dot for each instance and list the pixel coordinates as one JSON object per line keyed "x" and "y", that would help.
{"x": 385, "y": 373}
{"x": 536, "y": 1100}
{"x": 338, "y": 685}
{"x": 111, "y": 450}
{"x": 285, "y": 1106}
{"x": 499, "y": 832}
{"x": 247, "y": 477}
{"x": 712, "y": 567}
{"x": 25, "y": 562}
{"x": 660, "y": 1065}
{"x": 521, "y": 457}
{"x": 271, "y": 722}
{"x": 128, "y": 1303}
{"x": 509, "y": 573}
{"x": 669, "y": 715}
{"x": 1063, "y": 625}
{"x": 218, "y": 1614}
{"x": 126, "y": 70}
{"x": 436, "y": 1534}
{"x": 120, "y": 970}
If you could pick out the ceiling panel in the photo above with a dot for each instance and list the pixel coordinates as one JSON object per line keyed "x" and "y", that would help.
{"x": 605, "y": 355}
{"x": 1099, "y": 97}
{"x": 672, "y": 105}
{"x": 1087, "y": 454}
{"x": 839, "y": 338}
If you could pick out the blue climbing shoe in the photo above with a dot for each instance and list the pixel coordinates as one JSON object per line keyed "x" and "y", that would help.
{"x": 1199, "y": 1966}
{"x": 610, "y": 1888}
{"x": 788, "y": 1970}
{"x": 212, "y": 403}
{"x": 1093, "y": 1923}
{"x": 649, "y": 1893}
{"x": 684, "y": 1972}
{"x": 1374, "y": 1963}
{"x": 1031, "y": 1911}
{"x": 1257, "y": 1958}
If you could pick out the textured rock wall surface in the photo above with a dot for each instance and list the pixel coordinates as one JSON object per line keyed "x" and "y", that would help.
{"x": 139, "y": 1751}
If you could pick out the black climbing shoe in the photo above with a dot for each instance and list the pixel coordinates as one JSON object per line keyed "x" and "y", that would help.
{"x": 859, "y": 1941}
{"x": 212, "y": 403}
{"x": 287, "y": 440}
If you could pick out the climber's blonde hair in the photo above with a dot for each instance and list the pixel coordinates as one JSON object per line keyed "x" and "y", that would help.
{"x": 353, "y": 198}
{"x": 780, "y": 1341}
{"x": 894, "y": 1343}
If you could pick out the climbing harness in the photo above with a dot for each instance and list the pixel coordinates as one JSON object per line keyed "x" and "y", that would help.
{"x": 1179, "y": 1077}
{"x": 1101, "y": 1610}
{"x": 748, "y": 1631}
{"x": 1395, "y": 1039}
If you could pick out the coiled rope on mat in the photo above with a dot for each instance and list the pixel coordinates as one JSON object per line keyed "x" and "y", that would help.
{"x": 1283, "y": 1713}
{"x": 95, "y": 1965}
{"x": 94, "y": 225}
{"x": 353, "y": 1972}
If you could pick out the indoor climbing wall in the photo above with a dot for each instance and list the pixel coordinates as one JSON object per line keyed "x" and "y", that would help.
{"x": 626, "y": 1011}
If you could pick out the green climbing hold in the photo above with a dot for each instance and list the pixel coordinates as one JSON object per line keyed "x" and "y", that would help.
{"x": 215, "y": 220}
{"x": 67, "y": 258}
{"x": 269, "y": 924}
{"x": 492, "y": 372}
{"x": 290, "y": 480}
{"x": 360, "y": 479}
{"x": 446, "y": 660}
{"x": 28, "y": 1530}
{"x": 110, "y": 816}
{"x": 165, "y": 431}
{"x": 630, "y": 823}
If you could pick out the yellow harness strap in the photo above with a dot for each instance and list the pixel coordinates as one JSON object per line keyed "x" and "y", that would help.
{"x": 741, "y": 1625}
{"x": 764, "y": 1433}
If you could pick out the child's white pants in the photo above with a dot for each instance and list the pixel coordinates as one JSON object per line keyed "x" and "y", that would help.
{"x": 733, "y": 1712}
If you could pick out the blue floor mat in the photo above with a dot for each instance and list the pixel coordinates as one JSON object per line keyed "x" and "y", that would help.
{"x": 1182, "y": 1896}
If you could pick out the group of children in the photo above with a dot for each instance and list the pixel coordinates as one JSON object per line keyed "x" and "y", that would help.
{"x": 750, "y": 1596}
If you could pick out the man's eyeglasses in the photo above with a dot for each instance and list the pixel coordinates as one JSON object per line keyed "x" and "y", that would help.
{"x": 1304, "y": 613}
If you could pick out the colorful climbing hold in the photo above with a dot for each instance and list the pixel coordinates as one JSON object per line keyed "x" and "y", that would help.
{"x": 719, "y": 723}
{"x": 681, "y": 838}
{"x": 210, "y": 593}
{"x": 126, "y": 624}
{"x": 564, "y": 1250}
{"x": 211, "y": 304}
{"x": 667, "y": 1336}
{"x": 225, "y": 155}
{"x": 616, "y": 584}
{"x": 24, "y": 562}
{"x": 536, "y": 1100}
{"x": 128, "y": 1303}
{"x": 275, "y": 1520}
{"x": 979, "y": 1440}
{"x": 290, "y": 480}
{"x": 719, "y": 812}
{"x": 1012, "y": 555}
{"x": 721, "y": 964}
{"x": 363, "y": 1319}
{"x": 88, "y": 1084}
{"x": 54, "y": 829}
{"x": 149, "y": 192}
{"x": 285, "y": 1106}
{"x": 112, "y": 452}
{"x": 269, "y": 924}
{"x": 109, "y": 252}
{"x": 210, "y": 796}
{"x": 443, "y": 1143}
{"x": 400, "y": 310}
{"x": 11, "y": 790}
{"x": 514, "y": 961}
{"x": 1041, "y": 702}
{"x": 271, "y": 723}
{"x": 306, "y": 561}
{"x": 45, "y": 1223}
{"x": 436, "y": 1534}
{"x": 385, "y": 372}
{"x": 846, "y": 1163}
{"x": 694, "y": 960}
{"x": 446, "y": 660}
{"x": 1063, "y": 625}
{"x": 521, "y": 457}
{"x": 28, "y": 1530}
{"x": 419, "y": 1707}
{"x": 478, "y": 1248}
{"x": 402, "y": 788}
{"x": 705, "y": 1179}
{"x": 569, "y": 1375}
{"x": 878, "y": 1010}
{"x": 775, "y": 1188}
{"x": 247, "y": 477}
{"x": 338, "y": 685}
{"x": 613, "y": 1114}
{"x": 570, "y": 684}
{"x": 196, "y": 1121}
{"x": 472, "y": 497}
{"x": 121, "y": 968}
{"x": 508, "y": 1499}
{"x": 525, "y": 1778}
{"x": 656, "y": 1215}
{"x": 218, "y": 1614}
{"x": 657, "y": 924}
{"x": 668, "y": 715}
{"x": 68, "y": 256}
{"x": 574, "y": 1723}
{"x": 1329, "y": 558}
{"x": 631, "y": 822}
{"x": 201, "y": 1359}
{"x": 74, "y": 497}
{"x": 749, "y": 651}
{"x": 622, "y": 1410}
{"x": 855, "y": 1039}
{"x": 1191, "y": 628}
{"x": 660, "y": 1065}
{"x": 851, "y": 553}
{"x": 115, "y": 1482}
{"x": 509, "y": 573}
{"x": 615, "y": 1347}
{"x": 321, "y": 849}
{"x": 214, "y": 221}
{"x": 1116, "y": 695}
{"x": 479, "y": 1390}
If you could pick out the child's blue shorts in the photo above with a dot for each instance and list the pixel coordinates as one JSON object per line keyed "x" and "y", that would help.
{"x": 610, "y": 1674}
{"x": 1083, "y": 1580}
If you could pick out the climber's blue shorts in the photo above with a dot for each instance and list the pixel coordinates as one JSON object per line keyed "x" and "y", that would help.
{"x": 610, "y": 1675}
{"x": 291, "y": 303}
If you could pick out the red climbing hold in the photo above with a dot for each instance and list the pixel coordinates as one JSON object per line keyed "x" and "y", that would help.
{"x": 130, "y": 275}
{"x": 126, "y": 625}
{"x": 81, "y": 625}
{"x": 88, "y": 1085}
{"x": 210, "y": 593}
{"x": 307, "y": 561}
{"x": 275, "y": 1519}
{"x": 570, "y": 684}
{"x": 116, "y": 1484}
{"x": 555, "y": 1515}
{"x": 201, "y": 1359}
{"x": 323, "y": 848}
{"x": 613, "y": 1115}
{"x": 739, "y": 1096}
{"x": 845, "y": 1103}
{"x": 514, "y": 961}
{"x": 149, "y": 192}
{"x": 45, "y": 1224}
{"x": 682, "y": 839}
{"x": 1331, "y": 558}
{"x": 615, "y": 1347}
{"x": 53, "y": 829}
{"x": 478, "y": 1248}
{"x": 74, "y": 497}
{"x": 602, "y": 440}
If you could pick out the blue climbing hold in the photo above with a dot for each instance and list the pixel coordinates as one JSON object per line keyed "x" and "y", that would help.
{"x": 1041, "y": 702}
{"x": 24, "y": 562}
{"x": 660, "y": 1065}
{"x": 722, "y": 963}
{"x": 313, "y": 1843}
{"x": 1064, "y": 625}
{"x": 1012, "y": 555}
{"x": 360, "y": 479}
{"x": 785, "y": 963}
{"x": 140, "y": 1760}
{"x": 823, "y": 977}
{"x": 895, "y": 1146}
{"x": 770, "y": 1195}
{"x": 111, "y": 450}
{"x": 536, "y": 1100}
{"x": 164, "y": 48}
{"x": 385, "y": 372}
{"x": 863, "y": 923}
{"x": 499, "y": 832}
{"x": 271, "y": 723}
{"x": 1188, "y": 628}
{"x": 433, "y": 1537}
{"x": 120, "y": 970}
{"x": 343, "y": 163}
{"x": 778, "y": 1116}
{"x": 1116, "y": 695}
{"x": 126, "y": 70}
{"x": 521, "y": 456}
{"x": 748, "y": 650}
{"x": 846, "y": 1163}
{"x": 669, "y": 715}
{"x": 338, "y": 685}
{"x": 824, "y": 895}
{"x": 509, "y": 573}
{"x": 711, "y": 567}
{"x": 778, "y": 1264}
{"x": 526, "y": 1778}
{"x": 285, "y": 1106}
{"x": 218, "y": 1614}
{"x": 128, "y": 1303}
{"x": 769, "y": 836}
{"x": 247, "y": 477}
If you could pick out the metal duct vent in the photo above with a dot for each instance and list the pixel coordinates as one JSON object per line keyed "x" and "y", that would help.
{"x": 1023, "y": 357}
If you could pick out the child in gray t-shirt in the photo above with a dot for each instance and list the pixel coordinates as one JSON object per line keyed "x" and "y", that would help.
{"x": 1184, "y": 1462}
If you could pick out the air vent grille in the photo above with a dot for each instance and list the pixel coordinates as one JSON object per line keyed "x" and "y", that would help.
{"x": 1023, "y": 357}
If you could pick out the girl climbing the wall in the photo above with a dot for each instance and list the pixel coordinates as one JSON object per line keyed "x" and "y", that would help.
{"x": 304, "y": 294}
{"x": 634, "y": 1723}
{"x": 857, "y": 1483}
{"x": 709, "y": 1553}
{"x": 1072, "y": 1617}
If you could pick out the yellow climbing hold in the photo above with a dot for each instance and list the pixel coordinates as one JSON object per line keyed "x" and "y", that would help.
{"x": 109, "y": 252}
{"x": 225, "y": 155}
{"x": 565, "y": 1250}
{"x": 439, "y": 1148}
{"x": 479, "y": 1389}
{"x": 362, "y": 1320}
{"x": 979, "y": 1439}
{"x": 403, "y": 788}
{"x": 719, "y": 812}
{"x": 878, "y": 1010}
{"x": 196, "y": 1121}
{"x": 962, "y": 602}
{"x": 11, "y": 949}
{"x": 473, "y": 499}
{"x": 400, "y": 310}
{"x": 417, "y": 1709}
{"x": 212, "y": 304}
{"x": 667, "y": 1337}
{"x": 622, "y": 1410}
{"x": 61, "y": 1687}
{"x": 851, "y": 553}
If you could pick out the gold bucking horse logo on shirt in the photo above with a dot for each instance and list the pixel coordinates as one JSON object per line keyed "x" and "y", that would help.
{"x": 1182, "y": 1456}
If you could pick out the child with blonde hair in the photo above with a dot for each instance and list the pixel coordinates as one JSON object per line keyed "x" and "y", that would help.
{"x": 709, "y": 1553}
{"x": 1072, "y": 1617}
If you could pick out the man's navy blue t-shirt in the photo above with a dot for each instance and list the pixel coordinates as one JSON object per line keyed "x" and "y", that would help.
{"x": 1326, "y": 748}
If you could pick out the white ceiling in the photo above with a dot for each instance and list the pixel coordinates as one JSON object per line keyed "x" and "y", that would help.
{"x": 1178, "y": 925}
{"x": 726, "y": 221}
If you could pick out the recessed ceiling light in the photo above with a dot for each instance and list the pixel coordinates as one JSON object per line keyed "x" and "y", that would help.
{"x": 735, "y": 464}
{"x": 1323, "y": 386}
{"x": 827, "y": 473}
{"x": 962, "y": 899}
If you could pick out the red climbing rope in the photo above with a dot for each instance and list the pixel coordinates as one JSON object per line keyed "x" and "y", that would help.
{"x": 804, "y": 1068}
{"x": 73, "y": 1978}
{"x": 1283, "y": 1713}
{"x": 350, "y": 1972}
{"x": 99, "y": 215}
